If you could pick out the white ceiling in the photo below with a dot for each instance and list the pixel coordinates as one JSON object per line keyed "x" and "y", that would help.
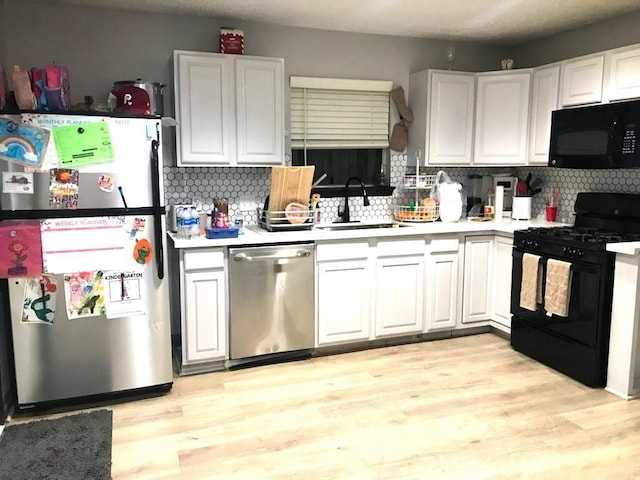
{"x": 500, "y": 21}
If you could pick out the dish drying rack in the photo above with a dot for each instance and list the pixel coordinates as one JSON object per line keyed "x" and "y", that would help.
{"x": 276, "y": 221}
{"x": 417, "y": 212}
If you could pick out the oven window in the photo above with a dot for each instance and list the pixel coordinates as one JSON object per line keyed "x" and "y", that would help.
{"x": 585, "y": 142}
{"x": 585, "y": 303}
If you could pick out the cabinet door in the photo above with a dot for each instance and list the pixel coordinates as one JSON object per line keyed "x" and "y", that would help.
{"x": 501, "y": 287}
{"x": 259, "y": 111}
{"x": 582, "y": 81}
{"x": 204, "y": 109}
{"x": 451, "y": 118}
{"x": 478, "y": 275}
{"x": 544, "y": 100}
{"x": 399, "y": 294}
{"x": 343, "y": 301}
{"x": 442, "y": 290}
{"x": 204, "y": 327}
{"x": 624, "y": 74}
{"x": 502, "y": 115}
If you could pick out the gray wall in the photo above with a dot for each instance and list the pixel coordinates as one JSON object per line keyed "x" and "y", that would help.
{"x": 613, "y": 33}
{"x": 102, "y": 46}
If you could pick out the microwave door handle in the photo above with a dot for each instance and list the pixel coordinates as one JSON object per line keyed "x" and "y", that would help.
{"x": 610, "y": 144}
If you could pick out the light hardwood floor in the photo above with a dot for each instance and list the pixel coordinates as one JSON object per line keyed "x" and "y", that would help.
{"x": 461, "y": 408}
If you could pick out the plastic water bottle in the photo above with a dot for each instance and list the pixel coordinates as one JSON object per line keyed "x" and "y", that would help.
{"x": 195, "y": 222}
{"x": 184, "y": 223}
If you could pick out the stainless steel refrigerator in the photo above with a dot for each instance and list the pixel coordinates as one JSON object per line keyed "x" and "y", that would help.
{"x": 79, "y": 356}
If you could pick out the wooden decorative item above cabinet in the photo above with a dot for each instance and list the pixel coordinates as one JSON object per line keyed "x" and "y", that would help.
{"x": 229, "y": 108}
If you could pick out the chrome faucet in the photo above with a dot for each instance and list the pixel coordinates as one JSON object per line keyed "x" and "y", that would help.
{"x": 344, "y": 215}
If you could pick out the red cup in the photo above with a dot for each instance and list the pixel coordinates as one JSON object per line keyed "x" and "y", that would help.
{"x": 551, "y": 213}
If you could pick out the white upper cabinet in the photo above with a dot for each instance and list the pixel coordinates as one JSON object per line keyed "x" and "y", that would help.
{"x": 544, "y": 100}
{"x": 204, "y": 108}
{"x": 259, "y": 111}
{"x": 581, "y": 80}
{"x": 623, "y": 67}
{"x": 502, "y": 118}
{"x": 442, "y": 103}
{"x": 229, "y": 108}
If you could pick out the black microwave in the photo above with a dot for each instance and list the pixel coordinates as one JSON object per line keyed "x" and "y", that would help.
{"x": 598, "y": 136}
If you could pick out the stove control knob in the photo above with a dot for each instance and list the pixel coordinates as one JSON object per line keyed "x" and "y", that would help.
{"x": 536, "y": 244}
{"x": 580, "y": 253}
{"x": 565, "y": 250}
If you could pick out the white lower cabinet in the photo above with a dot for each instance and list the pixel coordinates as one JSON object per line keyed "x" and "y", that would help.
{"x": 501, "y": 285}
{"x": 204, "y": 306}
{"x": 343, "y": 292}
{"x": 368, "y": 289}
{"x": 478, "y": 272}
{"x": 443, "y": 292}
{"x": 399, "y": 287}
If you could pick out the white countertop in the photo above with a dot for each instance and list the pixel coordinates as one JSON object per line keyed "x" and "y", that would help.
{"x": 254, "y": 235}
{"x": 626, "y": 248}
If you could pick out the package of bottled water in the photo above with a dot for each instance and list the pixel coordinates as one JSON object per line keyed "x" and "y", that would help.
{"x": 194, "y": 224}
{"x": 184, "y": 222}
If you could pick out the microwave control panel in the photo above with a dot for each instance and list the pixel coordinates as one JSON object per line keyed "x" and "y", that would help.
{"x": 629, "y": 139}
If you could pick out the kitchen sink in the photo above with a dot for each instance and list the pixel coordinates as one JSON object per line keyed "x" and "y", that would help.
{"x": 357, "y": 226}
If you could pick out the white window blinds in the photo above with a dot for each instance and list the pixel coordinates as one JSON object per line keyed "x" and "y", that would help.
{"x": 339, "y": 113}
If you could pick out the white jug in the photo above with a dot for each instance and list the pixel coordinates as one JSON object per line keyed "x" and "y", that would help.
{"x": 450, "y": 201}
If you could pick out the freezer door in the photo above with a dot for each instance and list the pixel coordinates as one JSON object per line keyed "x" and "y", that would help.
{"x": 95, "y": 354}
{"x": 130, "y": 170}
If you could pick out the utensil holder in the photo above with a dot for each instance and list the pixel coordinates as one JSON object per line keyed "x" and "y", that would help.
{"x": 521, "y": 208}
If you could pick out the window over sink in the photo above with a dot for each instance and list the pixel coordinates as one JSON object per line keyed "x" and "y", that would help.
{"x": 341, "y": 126}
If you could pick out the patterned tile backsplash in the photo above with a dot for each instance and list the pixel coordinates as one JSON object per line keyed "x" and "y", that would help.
{"x": 245, "y": 188}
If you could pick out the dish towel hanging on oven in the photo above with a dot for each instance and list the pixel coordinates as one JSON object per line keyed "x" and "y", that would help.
{"x": 557, "y": 287}
{"x": 531, "y": 286}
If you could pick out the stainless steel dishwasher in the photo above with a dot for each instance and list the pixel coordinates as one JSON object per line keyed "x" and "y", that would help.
{"x": 271, "y": 302}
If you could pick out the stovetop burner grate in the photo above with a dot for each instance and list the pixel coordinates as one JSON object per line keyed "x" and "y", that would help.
{"x": 583, "y": 235}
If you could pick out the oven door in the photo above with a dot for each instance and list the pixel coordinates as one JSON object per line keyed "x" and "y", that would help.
{"x": 586, "y": 304}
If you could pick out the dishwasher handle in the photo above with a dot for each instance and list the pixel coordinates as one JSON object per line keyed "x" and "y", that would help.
{"x": 243, "y": 257}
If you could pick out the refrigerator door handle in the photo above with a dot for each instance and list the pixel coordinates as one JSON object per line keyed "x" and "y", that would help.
{"x": 157, "y": 213}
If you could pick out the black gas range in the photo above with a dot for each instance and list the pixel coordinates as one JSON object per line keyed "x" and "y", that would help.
{"x": 576, "y": 344}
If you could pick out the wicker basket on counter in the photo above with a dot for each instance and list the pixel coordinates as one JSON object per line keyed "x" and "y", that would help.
{"x": 416, "y": 213}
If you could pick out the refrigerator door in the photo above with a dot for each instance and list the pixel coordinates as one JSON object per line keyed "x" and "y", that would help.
{"x": 93, "y": 355}
{"x": 131, "y": 172}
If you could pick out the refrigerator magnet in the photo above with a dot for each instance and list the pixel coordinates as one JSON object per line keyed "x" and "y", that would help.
{"x": 137, "y": 226}
{"x": 64, "y": 185}
{"x": 106, "y": 183}
{"x": 17, "y": 182}
{"x": 143, "y": 251}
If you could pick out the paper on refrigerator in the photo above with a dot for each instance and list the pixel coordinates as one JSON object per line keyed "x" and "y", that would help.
{"x": 40, "y": 298}
{"x": 84, "y": 244}
{"x": 84, "y": 294}
{"x": 124, "y": 293}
